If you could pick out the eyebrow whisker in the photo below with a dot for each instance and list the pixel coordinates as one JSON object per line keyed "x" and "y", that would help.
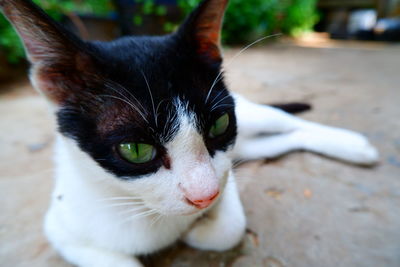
{"x": 111, "y": 84}
{"x": 216, "y": 104}
{"x": 151, "y": 97}
{"x": 130, "y": 104}
{"x": 219, "y": 76}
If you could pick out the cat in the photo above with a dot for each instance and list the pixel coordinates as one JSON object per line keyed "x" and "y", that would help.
{"x": 147, "y": 131}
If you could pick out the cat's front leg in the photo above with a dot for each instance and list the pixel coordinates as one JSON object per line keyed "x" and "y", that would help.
{"x": 223, "y": 226}
{"x": 90, "y": 256}
{"x": 80, "y": 252}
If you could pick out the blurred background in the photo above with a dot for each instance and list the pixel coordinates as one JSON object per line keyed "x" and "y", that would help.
{"x": 245, "y": 21}
{"x": 303, "y": 210}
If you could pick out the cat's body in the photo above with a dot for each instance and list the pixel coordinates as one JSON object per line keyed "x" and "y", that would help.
{"x": 146, "y": 138}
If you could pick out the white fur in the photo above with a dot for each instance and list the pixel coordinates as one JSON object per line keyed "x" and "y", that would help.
{"x": 89, "y": 228}
{"x": 284, "y": 133}
{"x": 88, "y": 220}
{"x": 223, "y": 226}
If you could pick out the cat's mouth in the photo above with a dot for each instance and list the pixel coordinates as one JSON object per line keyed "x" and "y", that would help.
{"x": 202, "y": 203}
{"x": 200, "y": 200}
{"x": 206, "y": 204}
{"x": 181, "y": 200}
{"x": 192, "y": 208}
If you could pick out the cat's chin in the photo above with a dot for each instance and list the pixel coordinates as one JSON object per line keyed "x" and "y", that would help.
{"x": 185, "y": 213}
{"x": 194, "y": 212}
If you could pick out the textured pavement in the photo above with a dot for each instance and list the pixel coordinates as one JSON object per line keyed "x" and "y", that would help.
{"x": 302, "y": 209}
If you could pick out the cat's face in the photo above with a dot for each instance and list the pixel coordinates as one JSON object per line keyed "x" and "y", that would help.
{"x": 154, "y": 123}
{"x": 151, "y": 112}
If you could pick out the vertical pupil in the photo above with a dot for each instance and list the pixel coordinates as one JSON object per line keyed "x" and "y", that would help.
{"x": 220, "y": 125}
{"x": 137, "y": 149}
{"x": 137, "y": 152}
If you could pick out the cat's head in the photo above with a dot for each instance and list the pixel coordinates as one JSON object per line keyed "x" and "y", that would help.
{"x": 153, "y": 113}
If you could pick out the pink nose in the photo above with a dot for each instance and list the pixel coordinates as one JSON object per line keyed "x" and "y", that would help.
{"x": 203, "y": 202}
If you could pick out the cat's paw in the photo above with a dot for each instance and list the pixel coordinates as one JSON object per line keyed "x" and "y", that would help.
{"x": 367, "y": 154}
{"x": 87, "y": 256}
{"x": 119, "y": 262}
{"x": 357, "y": 149}
{"x": 216, "y": 234}
{"x": 338, "y": 143}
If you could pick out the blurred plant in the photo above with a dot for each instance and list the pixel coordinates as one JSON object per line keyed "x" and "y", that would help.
{"x": 9, "y": 40}
{"x": 148, "y": 7}
{"x": 246, "y": 20}
{"x": 299, "y": 16}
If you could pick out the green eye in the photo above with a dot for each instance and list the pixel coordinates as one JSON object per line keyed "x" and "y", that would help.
{"x": 137, "y": 153}
{"x": 220, "y": 126}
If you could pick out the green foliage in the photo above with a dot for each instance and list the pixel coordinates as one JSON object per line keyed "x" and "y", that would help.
{"x": 246, "y": 20}
{"x": 300, "y": 16}
{"x": 9, "y": 40}
{"x": 148, "y": 7}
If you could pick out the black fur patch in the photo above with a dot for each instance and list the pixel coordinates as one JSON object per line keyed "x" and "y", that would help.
{"x": 124, "y": 91}
{"x": 122, "y": 108}
{"x": 293, "y": 108}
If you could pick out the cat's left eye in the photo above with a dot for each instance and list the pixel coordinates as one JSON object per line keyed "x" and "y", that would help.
{"x": 137, "y": 153}
{"x": 220, "y": 126}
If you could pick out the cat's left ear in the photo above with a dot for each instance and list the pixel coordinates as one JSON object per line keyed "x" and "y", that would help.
{"x": 202, "y": 29}
{"x": 58, "y": 57}
{"x": 43, "y": 38}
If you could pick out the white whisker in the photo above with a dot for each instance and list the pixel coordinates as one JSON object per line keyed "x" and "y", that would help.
{"x": 155, "y": 220}
{"x": 111, "y": 85}
{"x": 130, "y": 104}
{"x": 123, "y": 204}
{"x": 151, "y": 97}
{"x": 119, "y": 198}
{"x": 130, "y": 211}
{"x": 139, "y": 215}
{"x": 219, "y": 101}
{"x": 223, "y": 105}
{"x": 237, "y": 163}
{"x": 166, "y": 122}
{"x": 216, "y": 97}
{"x": 158, "y": 106}
{"x": 217, "y": 79}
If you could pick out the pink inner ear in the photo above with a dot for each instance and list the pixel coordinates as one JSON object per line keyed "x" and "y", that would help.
{"x": 43, "y": 43}
{"x": 35, "y": 49}
{"x": 208, "y": 48}
{"x": 208, "y": 28}
{"x": 66, "y": 79}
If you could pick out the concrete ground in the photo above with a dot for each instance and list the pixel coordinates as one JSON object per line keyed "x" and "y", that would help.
{"x": 302, "y": 210}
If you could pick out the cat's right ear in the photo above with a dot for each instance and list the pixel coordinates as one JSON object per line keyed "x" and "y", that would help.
{"x": 202, "y": 29}
{"x": 52, "y": 50}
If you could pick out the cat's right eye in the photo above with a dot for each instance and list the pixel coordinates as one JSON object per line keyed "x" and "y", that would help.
{"x": 137, "y": 153}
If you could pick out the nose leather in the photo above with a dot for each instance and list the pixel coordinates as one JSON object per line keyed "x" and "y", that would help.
{"x": 203, "y": 202}
{"x": 200, "y": 186}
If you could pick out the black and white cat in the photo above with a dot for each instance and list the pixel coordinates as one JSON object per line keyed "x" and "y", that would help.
{"x": 147, "y": 132}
